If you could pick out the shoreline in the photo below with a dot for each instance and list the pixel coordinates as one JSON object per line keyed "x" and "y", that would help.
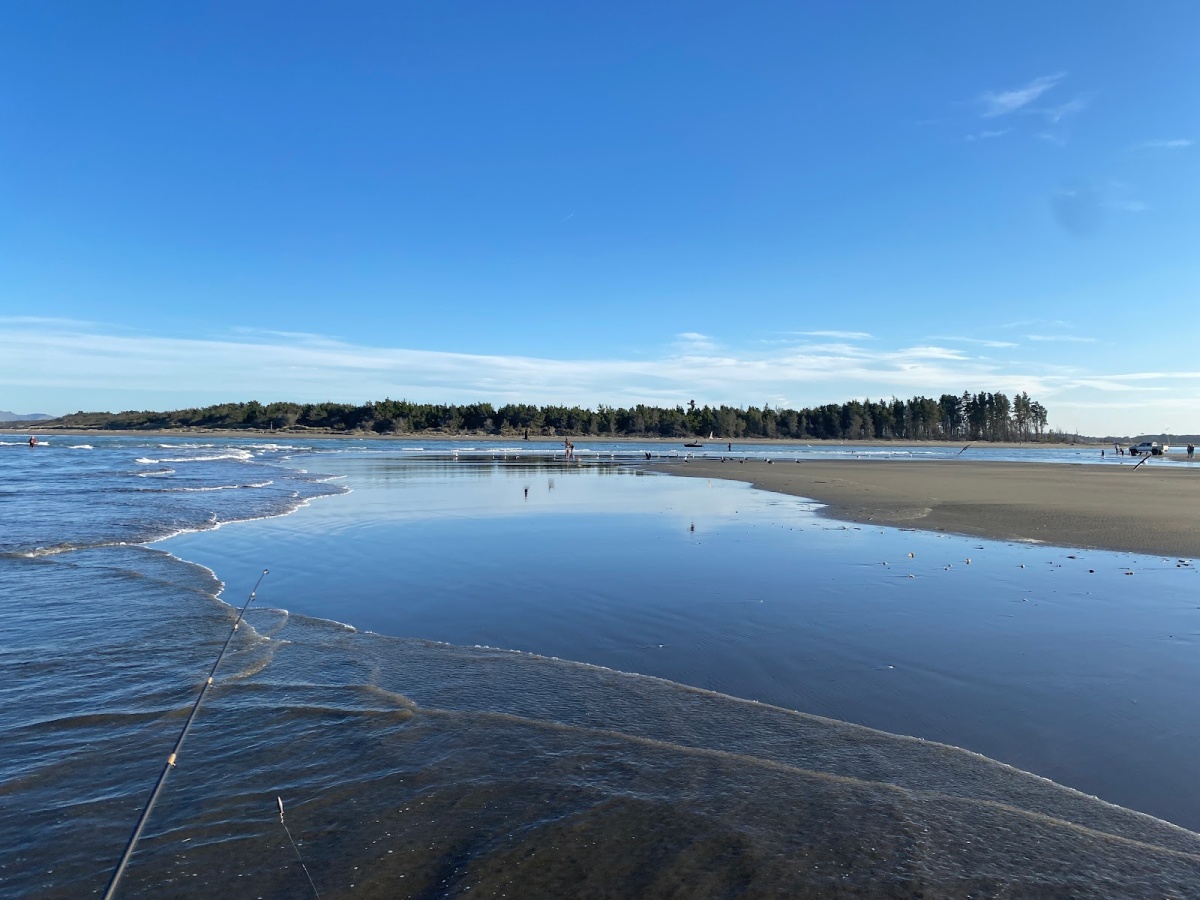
{"x": 672, "y": 442}
{"x": 1149, "y": 511}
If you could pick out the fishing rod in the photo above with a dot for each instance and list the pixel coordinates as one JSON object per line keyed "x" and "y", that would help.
{"x": 279, "y": 800}
{"x": 111, "y": 890}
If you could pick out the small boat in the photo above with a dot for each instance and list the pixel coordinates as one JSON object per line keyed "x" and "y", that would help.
{"x": 693, "y": 444}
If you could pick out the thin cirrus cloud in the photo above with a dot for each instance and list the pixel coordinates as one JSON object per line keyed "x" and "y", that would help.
{"x": 1126, "y": 205}
{"x": 1001, "y": 103}
{"x": 996, "y": 345}
{"x": 1172, "y": 144}
{"x": 988, "y": 135}
{"x": 57, "y": 367}
{"x": 1114, "y": 385}
{"x": 843, "y": 335}
{"x": 694, "y": 342}
{"x": 1056, "y": 114}
{"x": 109, "y": 368}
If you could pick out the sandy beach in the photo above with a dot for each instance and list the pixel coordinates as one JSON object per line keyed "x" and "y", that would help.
{"x": 1152, "y": 510}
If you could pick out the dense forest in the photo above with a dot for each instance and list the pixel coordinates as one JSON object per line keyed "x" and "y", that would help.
{"x": 975, "y": 417}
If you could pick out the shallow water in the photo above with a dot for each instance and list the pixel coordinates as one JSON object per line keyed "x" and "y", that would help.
{"x": 415, "y": 768}
{"x": 1026, "y": 653}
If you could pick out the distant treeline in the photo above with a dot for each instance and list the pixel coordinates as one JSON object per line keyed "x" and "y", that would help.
{"x": 976, "y": 417}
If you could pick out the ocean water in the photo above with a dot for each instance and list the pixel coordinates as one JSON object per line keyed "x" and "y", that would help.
{"x": 488, "y": 671}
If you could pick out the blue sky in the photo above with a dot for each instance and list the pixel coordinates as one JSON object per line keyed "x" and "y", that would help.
{"x": 613, "y": 203}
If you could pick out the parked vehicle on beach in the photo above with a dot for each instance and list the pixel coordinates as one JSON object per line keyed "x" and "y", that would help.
{"x": 1151, "y": 448}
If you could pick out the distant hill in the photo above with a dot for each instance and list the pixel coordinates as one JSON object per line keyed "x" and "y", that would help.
{"x": 27, "y": 417}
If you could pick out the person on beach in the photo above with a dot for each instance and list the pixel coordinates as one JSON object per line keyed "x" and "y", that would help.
{"x": 1191, "y": 451}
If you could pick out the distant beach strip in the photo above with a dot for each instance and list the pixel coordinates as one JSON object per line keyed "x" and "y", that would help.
{"x": 1150, "y": 510}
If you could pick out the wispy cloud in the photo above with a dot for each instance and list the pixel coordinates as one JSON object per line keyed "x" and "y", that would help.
{"x": 299, "y": 337}
{"x": 1055, "y": 114}
{"x": 987, "y": 135}
{"x": 1113, "y": 385}
{"x": 694, "y": 342}
{"x": 1126, "y": 377}
{"x": 1038, "y": 323}
{"x": 57, "y": 366}
{"x": 843, "y": 335}
{"x": 78, "y": 363}
{"x": 1133, "y": 206}
{"x": 47, "y": 321}
{"x": 1173, "y": 144}
{"x": 1000, "y": 103}
{"x": 998, "y": 345}
{"x": 931, "y": 353}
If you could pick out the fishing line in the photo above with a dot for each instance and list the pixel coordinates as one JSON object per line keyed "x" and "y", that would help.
{"x": 279, "y": 800}
{"x": 111, "y": 890}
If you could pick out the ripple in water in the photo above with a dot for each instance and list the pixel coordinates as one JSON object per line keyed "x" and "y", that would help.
{"x": 419, "y": 769}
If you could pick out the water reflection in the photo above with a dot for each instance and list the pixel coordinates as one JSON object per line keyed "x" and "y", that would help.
{"x": 1032, "y": 655}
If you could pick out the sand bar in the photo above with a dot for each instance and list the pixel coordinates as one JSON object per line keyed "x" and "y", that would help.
{"x": 1154, "y": 510}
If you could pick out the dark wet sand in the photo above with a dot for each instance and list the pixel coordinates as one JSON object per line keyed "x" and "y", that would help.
{"x": 1155, "y": 509}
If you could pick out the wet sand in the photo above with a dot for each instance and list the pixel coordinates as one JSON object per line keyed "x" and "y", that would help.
{"x": 1153, "y": 510}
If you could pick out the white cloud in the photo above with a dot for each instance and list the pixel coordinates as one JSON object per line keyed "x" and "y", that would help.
{"x": 1056, "y": 114}
{"x": 150, "y": 371}
{"x": 844, "y": 335}
{"x": 1126, "y": 205}
{"x": 998, "y": 345}
{"x": 931, "y": 353}
{"x": 987, "y": 135}
{"x": 43, "y": 320}
{"x": 1174, "y": 144}
{"x": 999, "y": 103}
{"x": 1112, "y": 384}
{"x": 1126, "y": 377}
{"x": 1038, "y": 323}
{"x": 694, "y": 342}
{"x": 299, "y": 337}
{"x": 54, "y": 367}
